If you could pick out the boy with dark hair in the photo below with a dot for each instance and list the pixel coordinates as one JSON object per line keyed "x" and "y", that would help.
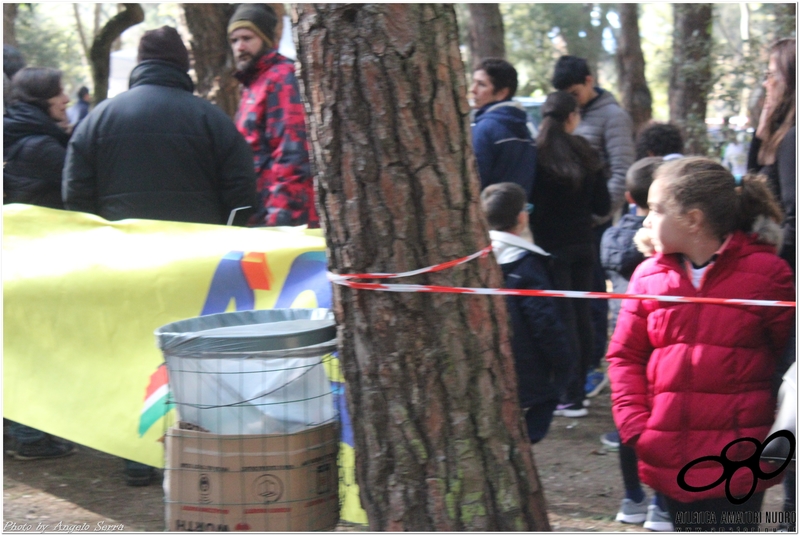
{"x": 609, "y": 129}
{"x": 659, "y": 139}
{"x": 504, "y": 149}
{"x": 502, "y": 74}
{"x": 541, "y": 349}
{"x": 620, "y": 256}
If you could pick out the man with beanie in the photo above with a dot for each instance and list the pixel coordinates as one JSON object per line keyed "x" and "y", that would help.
{"x": 272, "y": 120}
{"x": 157, "y": 151}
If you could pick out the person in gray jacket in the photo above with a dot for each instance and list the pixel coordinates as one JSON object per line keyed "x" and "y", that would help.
{"x": 609, "y": 130}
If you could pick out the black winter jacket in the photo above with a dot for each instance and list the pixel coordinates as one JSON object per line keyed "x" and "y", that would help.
{"x": 34, "y": 148}
{"x": 562, "y": 214}
{"x": 541, "y": 348}
{"x": 159, "y": 152}
{"x": 782, "y": 179}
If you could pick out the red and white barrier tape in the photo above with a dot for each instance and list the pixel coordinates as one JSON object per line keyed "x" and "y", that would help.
{"x": 347, "y": 280}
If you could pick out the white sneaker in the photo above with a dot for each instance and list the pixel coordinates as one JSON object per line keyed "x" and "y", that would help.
{"x": 657, "y": 519}
{"x": 570, "y": 410}
{"x": 632, "y": 512}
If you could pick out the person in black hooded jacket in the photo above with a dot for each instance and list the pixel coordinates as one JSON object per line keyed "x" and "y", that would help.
{"x": 157, "y": 151}
{"x": 34, "y": 146}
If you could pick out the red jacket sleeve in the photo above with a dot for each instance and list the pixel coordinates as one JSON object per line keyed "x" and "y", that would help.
{"x": 288, "y": 179}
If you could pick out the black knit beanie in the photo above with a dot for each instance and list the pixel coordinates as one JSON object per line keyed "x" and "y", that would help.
{"x": 259, "y": 18}
{"x": 164, "y": 44}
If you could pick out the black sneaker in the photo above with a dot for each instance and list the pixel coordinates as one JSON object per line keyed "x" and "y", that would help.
{"x": 139, "y": 475}
{"x": 45, "y": 448}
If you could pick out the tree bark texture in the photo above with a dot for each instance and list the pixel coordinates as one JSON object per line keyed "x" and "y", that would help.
{"x": 635, "y": 95}
{"x": 486, "y": 33}
{"x": 9, "y": 18}
{"x": 690, "y": 77}
{"x": 100, "y": 53}
{"x": 213, "y": 57}
{"x": 439, "y": 439}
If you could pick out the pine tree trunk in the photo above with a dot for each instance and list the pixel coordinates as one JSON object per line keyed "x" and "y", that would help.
{"x": 486, "y": 33}
{"x": 439, "y": 439}
{"x": 690, "y": 79}
{"x": 635, "y": 95}
{"x": 213, "y": 57}
{"x": 9, "y": 18}
{"x": 100, "y": 53}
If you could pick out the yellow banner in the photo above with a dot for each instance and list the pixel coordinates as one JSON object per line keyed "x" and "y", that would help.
{"x": 82, "y": 297}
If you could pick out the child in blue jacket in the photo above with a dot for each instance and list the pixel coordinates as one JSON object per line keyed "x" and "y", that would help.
{"x": 541, "y": 349}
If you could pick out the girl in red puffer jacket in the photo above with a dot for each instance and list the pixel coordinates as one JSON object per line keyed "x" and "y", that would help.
{"x": 690, "y": 379}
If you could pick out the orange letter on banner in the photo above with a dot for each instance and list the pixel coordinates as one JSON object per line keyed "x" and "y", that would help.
{"x": 256, "y": 271}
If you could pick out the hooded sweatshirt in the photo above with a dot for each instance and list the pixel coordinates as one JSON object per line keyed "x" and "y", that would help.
{"x": 503, "y": 146}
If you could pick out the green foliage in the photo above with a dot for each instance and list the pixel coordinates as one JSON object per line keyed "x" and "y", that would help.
{"x": 529, "y": 47}
{"x": 44, "y": 43}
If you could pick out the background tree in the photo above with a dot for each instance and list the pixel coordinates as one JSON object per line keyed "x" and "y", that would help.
{"x": 635, "y": 95}
{"x": 439, "y": 438}
{"x": 9, "y": 17}
{"x": 486, "y": 33}
{"x": 690, "y": 80}
{"x": 213, "y": 57}
{"x": 100, "y": 52}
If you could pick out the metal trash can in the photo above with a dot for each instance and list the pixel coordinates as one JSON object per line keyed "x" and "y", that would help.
{"x": 253, "y": 372}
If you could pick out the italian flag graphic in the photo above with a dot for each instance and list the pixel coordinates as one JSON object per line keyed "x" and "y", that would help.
{"x": 157, "y": 400}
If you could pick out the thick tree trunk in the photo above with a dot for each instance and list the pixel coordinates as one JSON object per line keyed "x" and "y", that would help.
{"x": 635, "y": 95}
{"x": 439, "y": 439}
{"x": 690, "y": 79}
{"x": 100, "y": 53}
{"x": 486, "y": 33}
{"x": 213, "y": 58}
{"x": 9, "y": 18}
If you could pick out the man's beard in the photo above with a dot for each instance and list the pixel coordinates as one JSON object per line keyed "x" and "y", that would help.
{"x": 243, "y": 65}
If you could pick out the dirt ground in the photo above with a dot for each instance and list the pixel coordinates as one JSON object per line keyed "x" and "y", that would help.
{"x": 581, "y": 481}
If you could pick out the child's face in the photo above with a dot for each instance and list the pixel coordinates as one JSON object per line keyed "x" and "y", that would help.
{"x": 670, "y": 231}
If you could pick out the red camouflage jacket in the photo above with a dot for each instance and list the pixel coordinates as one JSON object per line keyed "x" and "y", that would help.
{"x": 271, "y": 118}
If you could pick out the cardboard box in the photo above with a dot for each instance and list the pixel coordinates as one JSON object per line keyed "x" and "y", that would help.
{"x": 252, "y": 482}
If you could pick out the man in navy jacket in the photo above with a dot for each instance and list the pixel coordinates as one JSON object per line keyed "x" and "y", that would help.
{"x": 503, "y": 146}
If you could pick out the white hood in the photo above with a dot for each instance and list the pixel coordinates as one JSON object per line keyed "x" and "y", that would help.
{"x": 510, "y": 247}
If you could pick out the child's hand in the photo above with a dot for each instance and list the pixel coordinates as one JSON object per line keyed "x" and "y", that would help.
{"x": 643, "y": 241}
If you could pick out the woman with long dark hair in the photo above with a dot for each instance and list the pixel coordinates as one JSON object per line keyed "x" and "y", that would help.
{"x": 34, "y": 149}
{"x": 34, "y": 145}
{"x": 570, "y": 187}
{"x": 773, "y": 149}
{"x": 773, "y": 153}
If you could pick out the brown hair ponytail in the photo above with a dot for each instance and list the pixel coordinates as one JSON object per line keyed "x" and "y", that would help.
{"x": 697, "y": 182}
{"x": 756, "y": 199}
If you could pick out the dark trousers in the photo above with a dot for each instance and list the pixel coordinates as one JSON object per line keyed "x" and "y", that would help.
{"x": 573, "y": 270}
{"x": 538, "y": 418}
{"x": 628, "y": 462}
{"x": 716, "y": 514}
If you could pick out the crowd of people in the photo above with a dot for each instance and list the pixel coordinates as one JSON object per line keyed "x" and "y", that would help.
{"x": 688, "y": 380}
{"x": 587, "y": 200}
{"x": 157, "y": 151}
